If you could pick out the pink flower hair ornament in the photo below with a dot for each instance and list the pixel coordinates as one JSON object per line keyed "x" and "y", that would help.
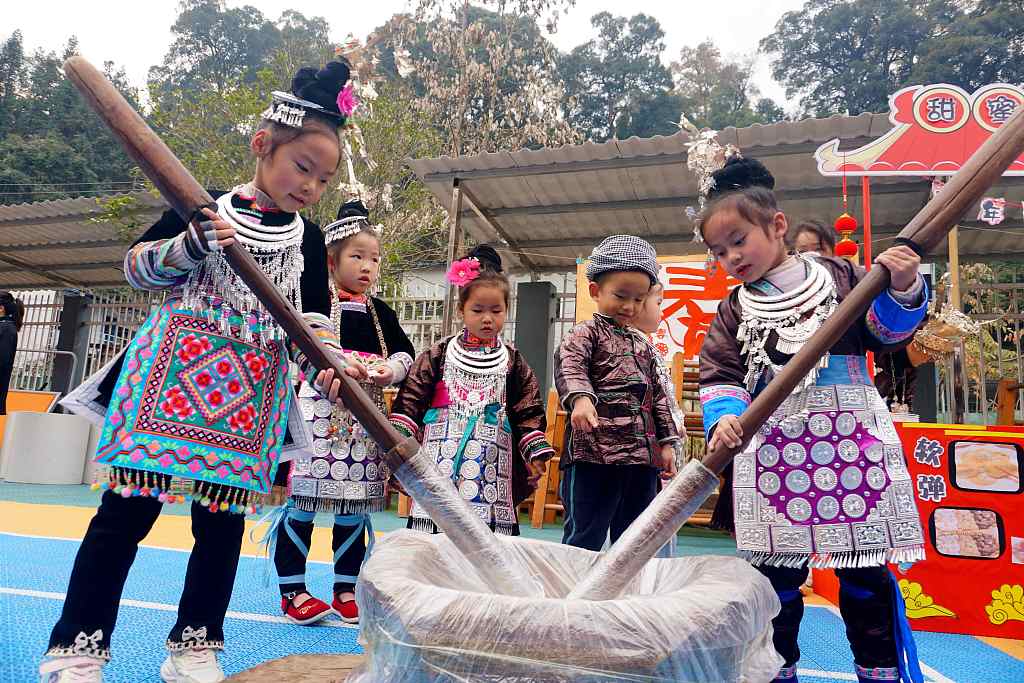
{"x": 463, "y": 271}
{"x": 347, "y": 100}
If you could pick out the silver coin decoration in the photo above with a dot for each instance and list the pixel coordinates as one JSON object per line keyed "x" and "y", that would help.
{"x": 371, "y": 471}
{"x": 823, "y": 453}
{"x": 321, "y": 427}
{"x": 468, "y": 489}
{"x": 846, "y": 423}
{"x": 848, "y": 450}
{"x": 490, "y": 473}
{"x": 339, "y": 471}
{"x": 319, "y": 469}
{"x": 321, "y": 447}
{"x": 875, "y": 452}
{"x": 828, "y": 507}
{"x": 340, "y": 449}
{"x": 306, "y": 405}
{"x": 448, "y": 449}
{"x": 490, "y": 493}
{"x": 359, "y": 451}
{"x": 322, "y": 408}
{"x": 876, "y": 478}
{"x": 769, "y": 483}
{"x": 820, "y": 424}
{"x": 851, "y": 478}
{"x": 355, "y": 472}
{"x": 446, "y": 467}
{"x": 768, "y": 455}
{"x": 798, "y": 510}
{"x": 825, "y": 479}
{"x": 492, "y": 452}
{"x": 798, "y": 481}
{"x": 792, "y": 428}
{"x": 794, "y": 454}
{"x": 470, "y": 469}
{"x": 854, "y": 505}
{"x": 473, "y": 449}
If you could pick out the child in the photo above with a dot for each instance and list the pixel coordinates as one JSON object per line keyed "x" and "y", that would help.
{"x": 823, "y": 483}
{"x": 622, "y": 431}
{"x": 203, "y": 397}
{"x": 647, "y": 321}
{"x": 343, "y": 473}
{"x": 475, "y": 405}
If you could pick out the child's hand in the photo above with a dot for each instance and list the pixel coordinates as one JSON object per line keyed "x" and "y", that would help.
{"x": 728, "y": 433}
{"x": 584, "y": 415}
{"x": 902, "y": 263}
{"x": 668, "y": 461}
{"x": 383, "y": 375}
{"x": 355, "y": 369}
{"x": 328, "y": 386}
{"x": 537, "y": 470}
{"x": 216, "y": 233}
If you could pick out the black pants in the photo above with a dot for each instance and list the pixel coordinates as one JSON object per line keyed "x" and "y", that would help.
{"x": 865, "y": 602}
{"x": 599, "y": 499}
{"x": 105, "y": 556}
{"x": 293, "y": 547}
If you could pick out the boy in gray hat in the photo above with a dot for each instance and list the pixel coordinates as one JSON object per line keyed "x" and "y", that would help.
{"x": 622, "y": 430}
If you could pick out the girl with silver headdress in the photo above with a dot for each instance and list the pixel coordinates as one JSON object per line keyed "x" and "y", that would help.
{"x": 824, "y": 482}
{"x": 341, "y": 472}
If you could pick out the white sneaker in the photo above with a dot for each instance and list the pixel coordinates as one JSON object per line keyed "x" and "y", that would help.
{"x": 72, "y": 670}
{"x": 192, "y": 666}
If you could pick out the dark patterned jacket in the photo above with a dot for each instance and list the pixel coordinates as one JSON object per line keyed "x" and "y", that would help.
{"x": 616, "y": 368}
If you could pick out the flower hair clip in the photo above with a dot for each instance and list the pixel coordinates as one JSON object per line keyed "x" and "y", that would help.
{"x": 347, "y": 100}
{"x": 463, "y": 271}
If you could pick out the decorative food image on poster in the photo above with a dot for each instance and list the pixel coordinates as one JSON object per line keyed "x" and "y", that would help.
{"x": 981, "y": 466}
{"x": 967, "y": 532}
{"x": 1017, "y": 550}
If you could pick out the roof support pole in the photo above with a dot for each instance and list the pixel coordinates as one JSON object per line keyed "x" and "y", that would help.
{"x": 454, "y": 246}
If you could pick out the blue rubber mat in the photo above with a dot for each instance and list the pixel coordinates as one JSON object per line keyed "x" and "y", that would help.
{"x": 34, "y": 572}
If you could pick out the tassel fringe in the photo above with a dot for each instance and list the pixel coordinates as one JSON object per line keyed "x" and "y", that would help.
{"x": 214, "y": 497}
{"x": 339, "y": 506}
{"x": 850, "y": 560}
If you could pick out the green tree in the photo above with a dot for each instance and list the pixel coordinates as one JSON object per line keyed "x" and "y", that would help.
{"x": 12, "y": 79}
{"x": 616, "y": 83}
{"x": 983, "y": 45}
{"x": 848, "y": 56}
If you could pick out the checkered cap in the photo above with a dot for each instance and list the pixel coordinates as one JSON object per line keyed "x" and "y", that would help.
{"x": 623, "y": 252}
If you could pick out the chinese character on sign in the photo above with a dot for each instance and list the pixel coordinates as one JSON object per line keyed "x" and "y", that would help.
{"x": 992, "y": 210}
{"x": 942, "y": 109}
{"x": 1000, "y": 108}
{"x": 685, "y": 290}
{"x": 931, "y": 487}
{"x": 928, "y": 452}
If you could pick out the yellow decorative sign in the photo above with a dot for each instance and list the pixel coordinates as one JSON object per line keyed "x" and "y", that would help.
{"x": 919, "y": 605}
{"x": 1007, "y": 604}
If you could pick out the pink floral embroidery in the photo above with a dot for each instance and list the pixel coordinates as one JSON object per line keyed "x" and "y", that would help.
{"x": 243, "y": 420}
{"x": 176, "y": 404}
{"x": 257, "y": 365}
{"x": 463, "y": 271}
{"x": 165, "y": 460}
{"x": 192, "y": 347}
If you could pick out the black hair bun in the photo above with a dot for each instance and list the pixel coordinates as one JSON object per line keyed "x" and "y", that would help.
{"x": 487, "y": 256}
{"x": 352, "y": 209}
{"x": 740, "y": 173}
{"x": 322, "y": 87}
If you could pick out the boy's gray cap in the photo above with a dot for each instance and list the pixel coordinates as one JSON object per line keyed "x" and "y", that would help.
{"x": 623, "y": 252}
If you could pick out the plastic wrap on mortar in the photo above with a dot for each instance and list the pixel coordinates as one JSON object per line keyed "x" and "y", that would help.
{"x": 426, "y": 614}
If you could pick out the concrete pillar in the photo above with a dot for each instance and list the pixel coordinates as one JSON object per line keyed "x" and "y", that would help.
{"x": 536, "y": 309}
{"x": 74, "y": 337}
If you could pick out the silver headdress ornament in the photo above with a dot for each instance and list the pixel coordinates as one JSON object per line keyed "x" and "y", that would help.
{"x": 704, "y": 156}
{"x": 289, "y": 110}
{"x": 348, "y": 226}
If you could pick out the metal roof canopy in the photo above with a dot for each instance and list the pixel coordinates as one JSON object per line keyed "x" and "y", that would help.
{"x": 56, "y": 244}
{"x": 553, "y": 205}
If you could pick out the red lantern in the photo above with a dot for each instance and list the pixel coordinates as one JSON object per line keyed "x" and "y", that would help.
{"x": 845, "y": 225}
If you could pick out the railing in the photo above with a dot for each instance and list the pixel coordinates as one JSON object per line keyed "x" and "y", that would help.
{"x": 33, "y": 369}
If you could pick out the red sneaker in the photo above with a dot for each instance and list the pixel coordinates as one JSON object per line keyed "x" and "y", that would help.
{"x": 310, "y": 611}
{"x": 347, "y": 610}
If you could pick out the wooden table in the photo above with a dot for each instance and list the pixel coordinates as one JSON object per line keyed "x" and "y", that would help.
{"x": 301, "y": 669}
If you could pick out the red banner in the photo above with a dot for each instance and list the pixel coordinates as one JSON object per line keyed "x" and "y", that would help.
{"x": 936, "y": 128}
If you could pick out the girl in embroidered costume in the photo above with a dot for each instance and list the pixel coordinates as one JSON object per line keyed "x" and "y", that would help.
{"x": 475, "y": 404}
{"x": 199, "y": 403}
{"x": 342, "y": 473}
{"x": 824, "y": 482}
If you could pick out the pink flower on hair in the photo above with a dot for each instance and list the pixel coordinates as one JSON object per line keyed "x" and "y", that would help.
{"x": 347, "y": 101}
{"x": 463, "y": 271}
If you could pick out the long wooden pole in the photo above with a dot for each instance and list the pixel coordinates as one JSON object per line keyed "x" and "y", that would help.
{"x": 927, "y": 229}
{"x": 466, "y": 530}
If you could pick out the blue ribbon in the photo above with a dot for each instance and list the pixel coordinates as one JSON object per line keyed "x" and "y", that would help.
{"x": 362, "y": 522}
{"x": 906, "y": 648}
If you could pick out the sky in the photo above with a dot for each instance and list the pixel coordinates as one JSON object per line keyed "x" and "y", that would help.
{"x": 135, "y": 34}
